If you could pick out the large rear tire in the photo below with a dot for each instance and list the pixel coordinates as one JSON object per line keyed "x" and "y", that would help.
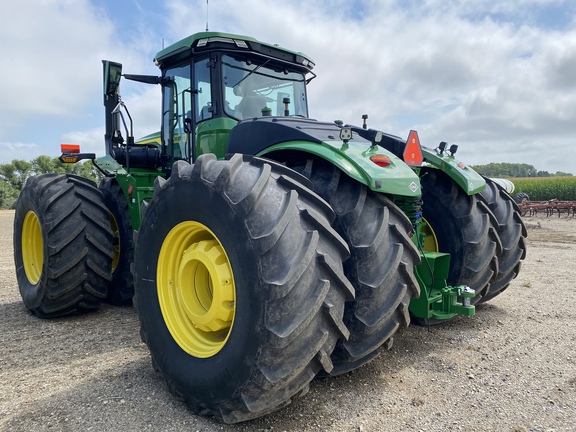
{"x": 121, "y": 288}
{"x": 381, "y": 266}
{"x": 62, "y": 245}
{"x": 512, "y": 233}
{"x": 239, "y": 285}
{"x": 463, "y": 226}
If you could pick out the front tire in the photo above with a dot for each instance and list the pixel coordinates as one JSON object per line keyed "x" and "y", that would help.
{"x": 381, "y": 266}
{"x": 62, "y": 245}
{"x": 239, "y": 285}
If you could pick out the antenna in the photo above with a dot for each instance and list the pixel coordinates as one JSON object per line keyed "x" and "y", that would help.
{"x": 206, "y": 15}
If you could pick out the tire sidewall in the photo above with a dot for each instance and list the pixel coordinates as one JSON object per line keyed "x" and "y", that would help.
{"x": 216, "y": 378}
{"x": 30, "y": 199}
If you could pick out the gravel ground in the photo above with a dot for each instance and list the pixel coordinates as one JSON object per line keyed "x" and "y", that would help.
{"x": 512, "y": 367}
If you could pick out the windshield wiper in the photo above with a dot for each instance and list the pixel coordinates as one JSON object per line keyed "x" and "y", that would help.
{"x": 251, "y": 72}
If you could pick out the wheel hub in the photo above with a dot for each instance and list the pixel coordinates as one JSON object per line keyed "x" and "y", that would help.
{"x": 196, "y": 289}
{"x": 32, "y": 248}
{"x": 204, "y": 286}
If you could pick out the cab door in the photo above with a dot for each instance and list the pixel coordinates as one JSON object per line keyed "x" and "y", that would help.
{"x": 176, "y": 116}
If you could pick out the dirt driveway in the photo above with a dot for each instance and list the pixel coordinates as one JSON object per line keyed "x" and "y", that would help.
{"x": 512, "y": 367}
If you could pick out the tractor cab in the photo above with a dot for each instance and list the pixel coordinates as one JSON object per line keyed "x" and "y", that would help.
{"x": 213, "y": 81}
{"x": 210, "y": 82}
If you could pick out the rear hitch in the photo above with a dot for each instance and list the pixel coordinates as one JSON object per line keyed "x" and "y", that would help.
{"x": 454, "y": 301}
{"x": 437, "y": 299}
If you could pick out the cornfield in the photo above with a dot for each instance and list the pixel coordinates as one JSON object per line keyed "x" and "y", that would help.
{"x": 546, "y": 188}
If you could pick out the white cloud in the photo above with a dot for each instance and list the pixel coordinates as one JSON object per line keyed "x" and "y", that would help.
{"x": 50, "y": 50}
{"x": 18, "y": 150}
{"x": 51, "y": 70}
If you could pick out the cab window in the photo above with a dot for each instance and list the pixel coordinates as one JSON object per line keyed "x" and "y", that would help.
{"x": 202, "y": 91}
{"x": 250, "y": 88}
{"x": 177, "y": 106}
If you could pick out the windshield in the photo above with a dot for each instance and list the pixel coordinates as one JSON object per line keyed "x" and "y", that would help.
{"x": 250, "y": 88}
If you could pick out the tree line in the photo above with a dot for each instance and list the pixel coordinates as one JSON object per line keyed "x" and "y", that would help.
{"x": 13, "y": 175}
{"x": 508, "y": 170}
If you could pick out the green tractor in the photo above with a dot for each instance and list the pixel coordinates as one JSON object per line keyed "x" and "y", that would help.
{"x": 261, "y": 248}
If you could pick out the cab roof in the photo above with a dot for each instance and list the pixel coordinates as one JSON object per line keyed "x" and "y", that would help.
{"x": 207, "y": 41}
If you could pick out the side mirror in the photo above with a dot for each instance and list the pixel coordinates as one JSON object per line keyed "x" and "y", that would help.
{"x": 112, "y": 75}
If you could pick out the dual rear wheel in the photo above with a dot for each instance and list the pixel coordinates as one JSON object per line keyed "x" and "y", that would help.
{"x": 62, "y": 245}
{"x": 241, "y": 291}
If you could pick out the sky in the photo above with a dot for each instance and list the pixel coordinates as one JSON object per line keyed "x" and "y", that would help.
{"x": 498, "y": 78}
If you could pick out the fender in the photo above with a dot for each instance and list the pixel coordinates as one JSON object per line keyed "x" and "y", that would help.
{"x": 353, "y": 158}
{"x": 468, "y": 179}
{"x": 279, "y": 138}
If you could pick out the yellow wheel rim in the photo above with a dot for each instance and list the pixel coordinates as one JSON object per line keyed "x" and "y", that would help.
{"x": 430, "y": 241}
{"x": 116, "y": 246}
{"x": 196, "y": 289}
{"x": 32, "y": 247}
